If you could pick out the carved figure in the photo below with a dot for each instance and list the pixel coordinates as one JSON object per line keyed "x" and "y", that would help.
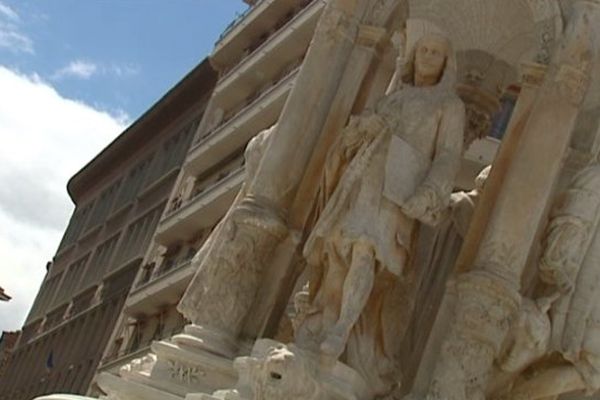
{"x": 570, "y": 265}
{"x": 392, "y": 168}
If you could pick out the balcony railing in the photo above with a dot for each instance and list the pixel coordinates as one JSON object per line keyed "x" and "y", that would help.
{"x": 250, "y": 101}
{"x": 163, "y": 270}
{"x": 139, "y": 348}
{"x": 263, "y": 40}
{"x": 239, "y": 18}
{"x": 198, "y": 191}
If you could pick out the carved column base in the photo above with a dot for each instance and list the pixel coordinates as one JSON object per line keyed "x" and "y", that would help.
{"x": 184, "y": 364}
{"x": 230, "y": 272}
{"x": 215, "y": 342}
{"x": 275, "y": 371}
{"x": 486, "y": 304}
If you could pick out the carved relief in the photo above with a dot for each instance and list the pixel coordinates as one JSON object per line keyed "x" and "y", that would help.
{"x": 185, "y": 374}
{"x": 483, "y": 313}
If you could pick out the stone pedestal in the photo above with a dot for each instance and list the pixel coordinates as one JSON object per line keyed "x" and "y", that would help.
{"x": 275, "y": 371}
{"x": 192, "y": 362}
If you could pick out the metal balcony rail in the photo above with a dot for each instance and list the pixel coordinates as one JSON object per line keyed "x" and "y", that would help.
{"x": 236, "y": 21}
{"x": 250, "y": 101}
{"x": 262, "y": 41}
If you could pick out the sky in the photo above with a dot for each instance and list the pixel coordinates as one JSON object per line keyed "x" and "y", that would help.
{"x": 73, "y": 75}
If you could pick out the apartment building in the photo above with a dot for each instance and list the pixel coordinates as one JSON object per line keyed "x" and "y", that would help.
{"x": 119, "y": 198}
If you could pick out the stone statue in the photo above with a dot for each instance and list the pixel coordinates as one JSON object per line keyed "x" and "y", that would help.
{"x": 392, "y": 168}
{"x": 570, "y": 265}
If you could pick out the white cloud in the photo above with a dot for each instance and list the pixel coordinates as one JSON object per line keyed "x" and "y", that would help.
{"x": 124, "y": 70}
{"x": 8, "y": 12}
{"x": 84, "y": 69}
{"x": 78, "y": 69}
{"x": 11, "y": 36}
{"x": 45, "y": 138}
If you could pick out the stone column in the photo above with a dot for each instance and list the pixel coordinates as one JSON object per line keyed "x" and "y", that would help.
{"x": 532, "y": 76}
{"x": 372, "y": 37}
{"x": 488, "y": 296}
{"x": 259, "y": 222}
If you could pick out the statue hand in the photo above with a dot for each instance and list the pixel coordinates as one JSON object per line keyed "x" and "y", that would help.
{"x": 423, "y": 206}
{"x": 416, "y": 206}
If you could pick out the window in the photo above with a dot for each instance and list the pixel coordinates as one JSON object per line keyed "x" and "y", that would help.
{"x": 138, "y": 236}
{"x": 103, "y": 205}
{"x": 132, "y": 184}
{"x": 502, "y": 118}
{"x": 45, "y": 295}
{"x": 100, "y": 261}
{"x": 159, "y": 329}
{"x": 171, "y": 154}
{"x": 76, "y": 225}
{"x": 136, "y": 336}
{"x": 115, "y": 349}
{"x": 146, "y": 274}
{"x": 71, "y": 281}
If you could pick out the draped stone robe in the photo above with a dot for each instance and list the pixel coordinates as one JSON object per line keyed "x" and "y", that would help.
{"x": 412, "y": 142}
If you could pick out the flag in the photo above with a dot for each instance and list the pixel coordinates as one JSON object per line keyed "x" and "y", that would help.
{"x": 50, "y": 361}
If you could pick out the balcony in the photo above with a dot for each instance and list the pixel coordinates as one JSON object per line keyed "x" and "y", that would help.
{"x": 263, "y": 61}
{"x": 203, "y": 210}
{"x": 165, "y": 286}
{"x": 117, "y": 359}
{"x": 260, "y": 19}
{"x": 259, "y": 113}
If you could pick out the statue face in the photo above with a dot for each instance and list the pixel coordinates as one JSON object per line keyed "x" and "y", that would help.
{"x": 430, "y": 58}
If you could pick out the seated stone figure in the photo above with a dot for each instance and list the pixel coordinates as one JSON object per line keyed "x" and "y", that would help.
{"x": 392, "y": 169}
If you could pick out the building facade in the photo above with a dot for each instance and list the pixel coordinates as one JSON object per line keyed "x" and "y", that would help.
{"x": 119, "y": 198}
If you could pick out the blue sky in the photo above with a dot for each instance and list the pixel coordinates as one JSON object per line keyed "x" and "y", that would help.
{"x": 73, "y": 75}
{"x": 115, "y": 55}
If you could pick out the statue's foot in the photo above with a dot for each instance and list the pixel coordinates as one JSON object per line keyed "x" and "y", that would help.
{"x": 333, "y": 346}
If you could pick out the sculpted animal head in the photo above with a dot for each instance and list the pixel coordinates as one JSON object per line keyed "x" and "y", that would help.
{"x": 281, "y": 374}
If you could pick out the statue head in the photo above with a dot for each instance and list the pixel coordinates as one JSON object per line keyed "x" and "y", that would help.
{"x": 430, "y": 62}
{"x": 431, "y": 53}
